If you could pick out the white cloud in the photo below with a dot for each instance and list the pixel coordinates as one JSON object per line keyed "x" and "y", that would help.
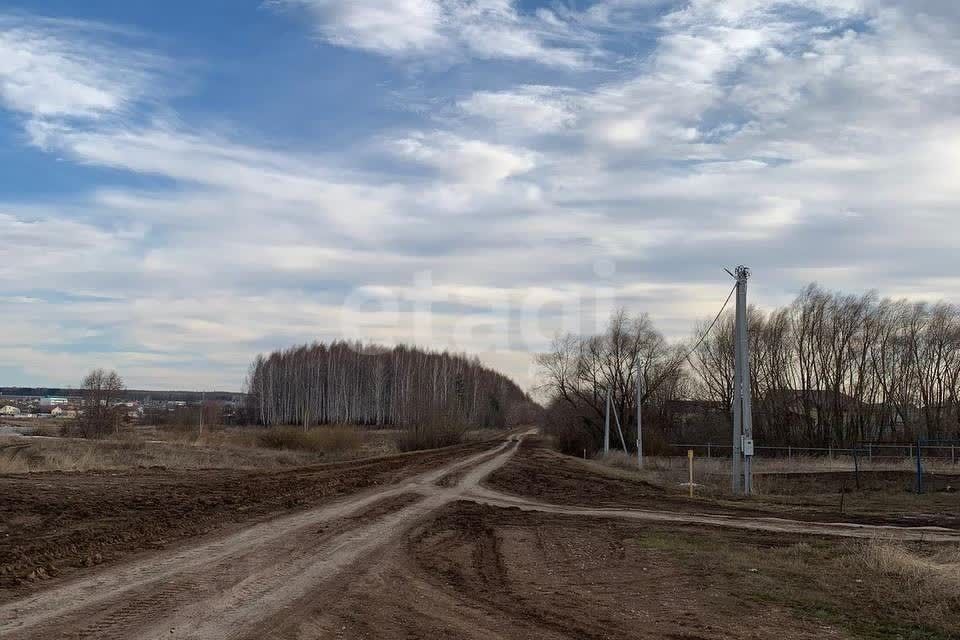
{"x": 526, "y": 109}
{"x": 394, "y": 27}
{"x": 473, "y": 162}
{"x": 240, "y": 178}
{"x": 450, "y": 29}
{"x": 55, "y": 69}
{"x": 809, "y": 139}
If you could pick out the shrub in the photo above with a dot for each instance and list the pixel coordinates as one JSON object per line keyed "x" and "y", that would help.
{"x": 430, "y": 434}
{"x": 333, "y": 439}
{"x": 572, "y": 431}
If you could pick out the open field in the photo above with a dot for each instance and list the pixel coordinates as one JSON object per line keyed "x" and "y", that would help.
{"x": 501, "y": 539}
{"x": 147, "y": 447}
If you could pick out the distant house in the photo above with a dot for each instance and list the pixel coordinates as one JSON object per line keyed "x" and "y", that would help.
{"x": 63, "y": 411}
{"x": 52, "y": 401}
{"x": 810, "y": 403}
{"x": 9, "y": 410}
{"x": 698, "y": 420}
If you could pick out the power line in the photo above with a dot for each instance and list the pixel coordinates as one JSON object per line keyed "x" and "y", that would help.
{"x": 712, "y": 325}
{"x": 689, "y": 353}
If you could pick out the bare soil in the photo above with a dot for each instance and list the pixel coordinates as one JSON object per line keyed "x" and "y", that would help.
{"x": 494, "y": 540}
{"x": 53, "y": 523}
{"x": 538, "y": 472}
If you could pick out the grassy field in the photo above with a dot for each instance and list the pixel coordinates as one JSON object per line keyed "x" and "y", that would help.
{"x": 873, "y": 589}
{"x": 217, "y": 448}
{"x": 233, "y": 448}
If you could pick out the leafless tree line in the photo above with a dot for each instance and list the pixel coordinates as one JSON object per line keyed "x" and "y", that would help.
{"x": 365, "y": 384}
{"x": 833, "y": 369}
{"x": 579, "y": 371}
{"x": 827, "y": 369}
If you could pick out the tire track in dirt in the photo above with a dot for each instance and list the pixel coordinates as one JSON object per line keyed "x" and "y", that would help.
{"x": 218, "y": 589}
{"x": 492, "y": 498}
{"x": 246, "y": 584}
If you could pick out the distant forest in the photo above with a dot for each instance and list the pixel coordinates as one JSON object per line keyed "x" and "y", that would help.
{"x": 346, "y": 382}
{"x": 129, "y": 395}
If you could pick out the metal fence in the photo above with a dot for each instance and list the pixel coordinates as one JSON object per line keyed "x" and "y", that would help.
{"x": 866, "y": 451}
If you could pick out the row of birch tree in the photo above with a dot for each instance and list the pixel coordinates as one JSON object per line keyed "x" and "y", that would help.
{"x": 352, "y": 383}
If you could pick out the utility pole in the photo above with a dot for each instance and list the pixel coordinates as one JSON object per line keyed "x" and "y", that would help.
{"x": 736, "y": 469}
{"x": 606, "y": 427}
{"x": 640, "y": 386}
{"x": 201, "y": 413}
{"x": 616, "y": 416}
{"x": 742, "y": 410}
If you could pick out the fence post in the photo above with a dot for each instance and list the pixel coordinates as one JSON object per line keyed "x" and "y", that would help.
{"x": 919, "y": 470}
{"x": 953, "y": 456}
{"x": 789, "y": 452}
{"x": 830, "y": 451}
{"x": 870, "y": 451}
{"x": 856, "y": 468}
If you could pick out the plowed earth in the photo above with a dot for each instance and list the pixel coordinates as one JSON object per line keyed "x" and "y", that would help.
{"x": 53, "y": 523}
{"x": 429, "y": 546}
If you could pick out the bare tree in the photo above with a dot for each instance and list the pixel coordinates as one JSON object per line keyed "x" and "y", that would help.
{"x": 579, "y": 371}
{"x": 835, "y": 369}
{"x": 102, "y": 409}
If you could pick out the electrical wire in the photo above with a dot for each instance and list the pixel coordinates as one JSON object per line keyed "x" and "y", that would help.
{"x": 704, "y": 335}
{"x": 689, "y": 353}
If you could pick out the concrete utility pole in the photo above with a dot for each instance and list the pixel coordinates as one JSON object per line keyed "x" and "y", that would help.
{"x": 742, "y": 411}
{"x": 616, "y": 416}
{"x": 640, "y": 386}
{"x": 606, "y": 427}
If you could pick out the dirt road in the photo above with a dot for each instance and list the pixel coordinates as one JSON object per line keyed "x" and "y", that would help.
{"x": 218, "y": 589}
{"x": 389, "y": 562}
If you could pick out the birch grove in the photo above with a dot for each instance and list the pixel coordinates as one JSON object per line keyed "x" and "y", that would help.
{"x": 371, "y": 385}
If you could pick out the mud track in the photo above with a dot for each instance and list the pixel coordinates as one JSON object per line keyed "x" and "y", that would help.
{"x": 268, "y": 580}
{"x": 56, "y": 524}
{"x": 221, "y": 588}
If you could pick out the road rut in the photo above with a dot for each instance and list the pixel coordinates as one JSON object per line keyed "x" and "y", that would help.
{"x": 225, "y": 587}
{"x": 218, "y": 589}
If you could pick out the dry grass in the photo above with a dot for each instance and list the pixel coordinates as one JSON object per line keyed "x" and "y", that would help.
{"x": 333, "y": 440}
{"x": 937, "y": 576}
{"x": 215, "y": 450}
{"x": 779, "y": 476}
{"x": 433, "y": 435}
{"x": 872, "y": 589}
{"x": 670, "y": 472}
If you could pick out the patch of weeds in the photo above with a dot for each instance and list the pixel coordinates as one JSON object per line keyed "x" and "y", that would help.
{"x": 872, "y": 592}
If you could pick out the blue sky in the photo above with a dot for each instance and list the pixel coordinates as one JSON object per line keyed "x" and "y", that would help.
{"x": 184, "y": 185}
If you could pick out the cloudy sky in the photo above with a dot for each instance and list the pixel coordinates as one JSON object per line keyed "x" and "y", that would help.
{"x": 186, "y": 184}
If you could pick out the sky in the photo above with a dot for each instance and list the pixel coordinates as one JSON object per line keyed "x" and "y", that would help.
{"x": 184, "y": 185}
